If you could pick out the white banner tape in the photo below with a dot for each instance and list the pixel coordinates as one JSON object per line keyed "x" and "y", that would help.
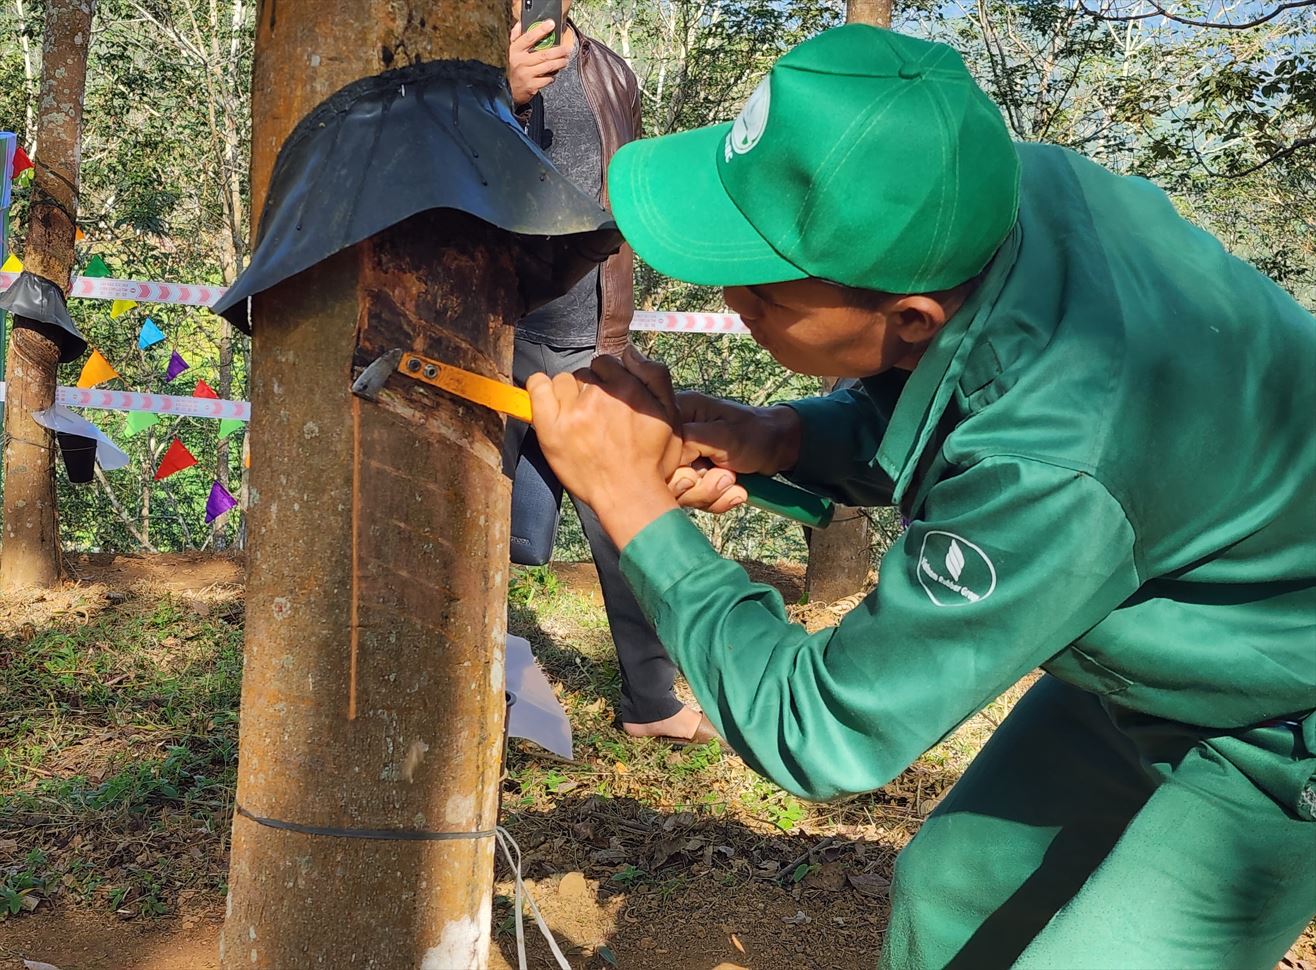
{"x": 107, "y": 288}
{"x": 672, "y": 322}
{"x": 183, "y": 407}
{"x": 187, "y": 294}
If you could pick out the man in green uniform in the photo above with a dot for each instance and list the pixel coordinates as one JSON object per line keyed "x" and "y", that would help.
{"x": 1099, "y": 426}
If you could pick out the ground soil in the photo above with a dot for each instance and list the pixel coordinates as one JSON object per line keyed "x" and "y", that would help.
{"x": 758, "y": 920}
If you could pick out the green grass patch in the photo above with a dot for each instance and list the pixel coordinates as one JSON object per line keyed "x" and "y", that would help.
{"x": 118, "y": 752}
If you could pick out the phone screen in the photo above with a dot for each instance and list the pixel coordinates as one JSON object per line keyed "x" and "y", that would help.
{"x": 537, "y": 11}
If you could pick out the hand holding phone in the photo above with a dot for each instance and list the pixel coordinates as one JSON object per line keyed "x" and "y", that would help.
{"x": 531, "y": 66}
{"x": 535, "y": 12}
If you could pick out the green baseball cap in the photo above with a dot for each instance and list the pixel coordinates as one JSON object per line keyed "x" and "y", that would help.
{"x": 865, "y": 157}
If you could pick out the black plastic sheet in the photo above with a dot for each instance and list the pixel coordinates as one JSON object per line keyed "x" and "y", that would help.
{"x": 38, "y": 304}
{"x": 439, "y": 135}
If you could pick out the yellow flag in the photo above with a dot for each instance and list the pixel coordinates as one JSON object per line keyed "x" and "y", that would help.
{"x": 12, "y": 265}
{"x": 119, "y": 307}
{"x": 97, "y": 370}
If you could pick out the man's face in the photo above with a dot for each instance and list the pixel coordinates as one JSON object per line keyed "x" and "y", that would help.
{"x": 809, "y": 327}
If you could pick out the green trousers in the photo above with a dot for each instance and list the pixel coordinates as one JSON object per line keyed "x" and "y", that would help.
{"x": 1075, "y": 843}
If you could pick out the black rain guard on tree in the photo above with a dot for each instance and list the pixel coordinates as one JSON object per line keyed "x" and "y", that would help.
{"x": 438, "y": 135}
{"x": 38, "y": 304}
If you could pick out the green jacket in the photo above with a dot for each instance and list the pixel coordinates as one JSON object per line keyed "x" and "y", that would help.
{"x": 1108, "y": 460}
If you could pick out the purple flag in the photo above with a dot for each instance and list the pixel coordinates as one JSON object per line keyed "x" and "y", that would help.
{"x": 176, "y": 366}
{"x": 220, "y": 501}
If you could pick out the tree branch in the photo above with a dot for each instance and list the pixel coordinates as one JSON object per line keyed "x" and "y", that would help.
{"x": 1160, "y": 11}
{"x": 1285, "y": 152}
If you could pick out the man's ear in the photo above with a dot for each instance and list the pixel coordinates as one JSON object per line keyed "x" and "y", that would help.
{"x": 917, "y": 318}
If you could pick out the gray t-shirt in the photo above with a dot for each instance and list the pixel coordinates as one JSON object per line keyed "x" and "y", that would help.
{"x": 571, "y": 141}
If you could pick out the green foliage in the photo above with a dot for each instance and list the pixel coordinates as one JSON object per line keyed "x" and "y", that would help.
{"x": 773, "y": 805}
{"x": 163, "y": 197}
{"x": 529, "y": 583}
{"x": 630, "y": 876}
{"x": 18, "y": 883}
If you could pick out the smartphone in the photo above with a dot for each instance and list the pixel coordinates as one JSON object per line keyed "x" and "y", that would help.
{"x": 536, "y": 11}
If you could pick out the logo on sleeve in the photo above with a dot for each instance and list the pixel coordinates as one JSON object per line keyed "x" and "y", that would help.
{"x": 953, "y": 571}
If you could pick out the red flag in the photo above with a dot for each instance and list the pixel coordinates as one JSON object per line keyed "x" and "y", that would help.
{"x": 203, "y": 389}
{"x": 21, "y": 163}
{"x": 175, "y": 460}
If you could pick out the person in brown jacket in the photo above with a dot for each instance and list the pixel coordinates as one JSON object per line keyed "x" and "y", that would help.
{"x": 580, "y": 102}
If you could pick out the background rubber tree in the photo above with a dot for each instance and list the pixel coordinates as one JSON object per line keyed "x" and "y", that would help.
{"x": 31, "y": 552}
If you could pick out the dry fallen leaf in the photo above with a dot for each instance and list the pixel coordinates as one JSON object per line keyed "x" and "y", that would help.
{"x": 735, "y": 941}
{"x": 621, "y": 769}
{"x": 869, "y": 884}
{"x": 829, "y": 877}
{"x": 38, "y": 965}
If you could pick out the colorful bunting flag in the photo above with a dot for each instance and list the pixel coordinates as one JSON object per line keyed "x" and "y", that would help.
{"x": 176, "y": 366}
{"x": 96, "y": 267}
{"x": 135, "y": 422}
{"x": 78, "y": 234}
{"x": 220, "y": 501}
{"x": 175, "y": 460}
{"x": 97, "y": 370}
{"x": 150, "y": 334}
{"x": 21, "y": 162}
{"x": 12, "y": 265}
{"x": 119, "y": 307}
{"x": 228, "y": 426}
{"x": 203, "y": 389}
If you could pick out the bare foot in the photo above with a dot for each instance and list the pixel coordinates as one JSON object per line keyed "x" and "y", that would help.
{"x": 684, "y": 725}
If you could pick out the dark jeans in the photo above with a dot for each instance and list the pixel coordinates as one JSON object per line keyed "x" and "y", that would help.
{"x": 647, "y": 674}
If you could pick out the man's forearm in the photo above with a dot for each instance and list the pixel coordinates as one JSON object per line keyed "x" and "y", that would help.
{"x": 626, "y": 512}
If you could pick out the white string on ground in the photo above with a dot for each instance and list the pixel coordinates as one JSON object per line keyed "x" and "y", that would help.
{"x": 508, "y": 844}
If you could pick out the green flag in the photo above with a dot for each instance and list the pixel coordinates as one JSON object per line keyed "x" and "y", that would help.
{"x": 135, "y": 422}
{"x": 96, "y": 267}
{"x": 229, "y": 425}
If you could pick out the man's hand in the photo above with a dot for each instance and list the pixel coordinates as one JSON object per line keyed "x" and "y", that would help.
{"x": 737, "y": 436}
{"x": 610, "y": 440}
{"x": 530, "y": 71}
{"x": 722, "y": 437}
{"x": 699, "y": 485}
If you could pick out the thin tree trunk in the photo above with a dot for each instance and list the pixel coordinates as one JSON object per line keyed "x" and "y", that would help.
{"x": 875, "y": 12}
{"x": 841, "y": 555}
{"x": 31, "y": 553}
{"x": 372, "y": 692}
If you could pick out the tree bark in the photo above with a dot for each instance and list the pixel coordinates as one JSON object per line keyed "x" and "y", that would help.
{"x": 376, "y": 597}
{"x": 841, "y": 555}
{"x": 875, "y": 12}
{"x": 31, "y": 554}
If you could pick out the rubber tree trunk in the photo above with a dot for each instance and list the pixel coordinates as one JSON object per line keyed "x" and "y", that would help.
{"x": 841, "y": 555}
{"x": 31, "y": 553}
{"x": 875, "y": 12}
{"x": 376, "y": 597}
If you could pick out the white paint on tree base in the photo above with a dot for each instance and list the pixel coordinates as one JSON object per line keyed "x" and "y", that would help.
{"x": 458, "y": 947}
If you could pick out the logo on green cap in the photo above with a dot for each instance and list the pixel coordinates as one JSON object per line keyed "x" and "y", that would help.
{"x": 748, "y": 127}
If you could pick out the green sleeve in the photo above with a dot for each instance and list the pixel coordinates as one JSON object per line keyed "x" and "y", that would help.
{"x": 1011, "y": 562}
{"x": 839, "y": 437}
